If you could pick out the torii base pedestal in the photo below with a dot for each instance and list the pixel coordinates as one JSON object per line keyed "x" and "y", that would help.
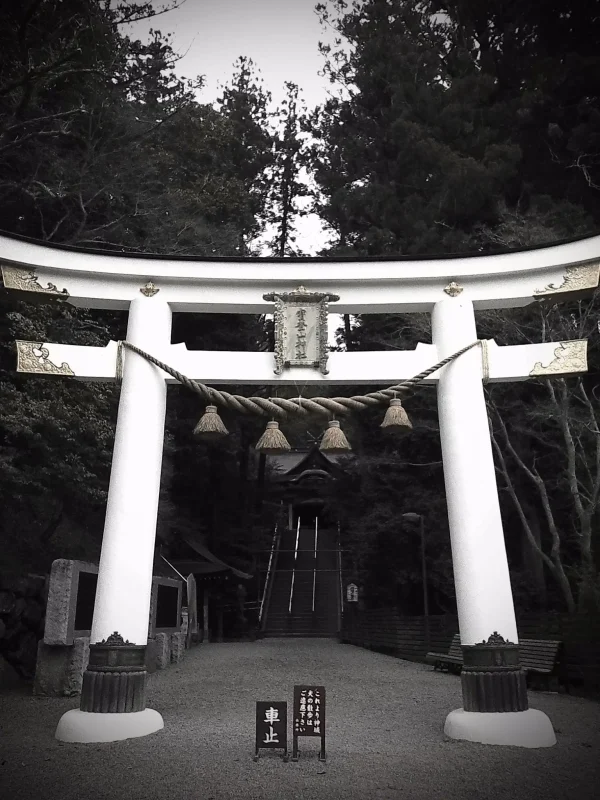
{"x": 530, "y": 728}
{"x": 113, "y": 696}
{"x": 495, "y": 704}
{"x": 89, "y": 726}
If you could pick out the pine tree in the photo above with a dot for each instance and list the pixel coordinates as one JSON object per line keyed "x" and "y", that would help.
{"x": 291, "y": 160}
{"x": 407, "y": 160}
{"x": 249, "y": 154}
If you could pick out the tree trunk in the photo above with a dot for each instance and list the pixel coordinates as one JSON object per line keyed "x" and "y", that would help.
{"x": 531, "y": 556}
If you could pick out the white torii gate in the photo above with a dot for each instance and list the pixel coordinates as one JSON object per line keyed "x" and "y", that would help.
{"x": 151, "y": 288}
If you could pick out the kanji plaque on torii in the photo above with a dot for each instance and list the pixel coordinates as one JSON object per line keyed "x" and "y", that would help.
{"x": 300, "y": 328}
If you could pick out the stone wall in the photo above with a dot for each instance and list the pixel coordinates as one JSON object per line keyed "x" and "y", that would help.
{"x": 45, "y": 637}
{"x": 22, "y": 619}
{"x": 63, "y": 654}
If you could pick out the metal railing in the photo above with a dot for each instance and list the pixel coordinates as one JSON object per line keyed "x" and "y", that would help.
{"x": 294, "y": 569}
{"x": 266, "y": 586}
{"x": 315, "y": 565}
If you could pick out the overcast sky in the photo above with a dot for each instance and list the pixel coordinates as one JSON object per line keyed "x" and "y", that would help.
{"x": 280, "y": 36}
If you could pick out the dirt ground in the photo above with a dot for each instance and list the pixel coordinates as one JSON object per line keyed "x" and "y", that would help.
{"x": 385, "y": 736}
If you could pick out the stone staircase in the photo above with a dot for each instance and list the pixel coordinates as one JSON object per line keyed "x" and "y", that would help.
{"x": 301, "y": 621}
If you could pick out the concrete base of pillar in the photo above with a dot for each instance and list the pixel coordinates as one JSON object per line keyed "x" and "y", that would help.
{"x": 529, "y": 728}
{"x": 88, "y": 726}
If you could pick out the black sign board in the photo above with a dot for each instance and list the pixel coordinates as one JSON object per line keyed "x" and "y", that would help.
{"x": 271, "y": 727}
{"x": 309, "y": 716}
{"x": 167, "y": 606}
{"x": 84, "y": 603}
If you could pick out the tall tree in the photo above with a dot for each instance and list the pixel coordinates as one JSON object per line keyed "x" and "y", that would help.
{"x": 407, "y": 158}
{"x": 542, "y": 60}
{"x": 70, "y": 132}
{"x": 244, "y": 102}
{"x": 291, "y": 160}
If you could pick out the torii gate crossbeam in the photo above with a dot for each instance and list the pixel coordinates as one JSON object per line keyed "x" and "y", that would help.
{"x": 451, "y": 289}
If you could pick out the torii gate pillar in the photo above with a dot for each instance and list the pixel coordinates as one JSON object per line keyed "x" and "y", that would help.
{"x": 113, "y": 696}
{"x": 492, "y": 680}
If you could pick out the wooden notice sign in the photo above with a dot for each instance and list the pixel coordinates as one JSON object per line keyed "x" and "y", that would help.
{"x": 309, "y": 716}
{"x": 271, "y": 727}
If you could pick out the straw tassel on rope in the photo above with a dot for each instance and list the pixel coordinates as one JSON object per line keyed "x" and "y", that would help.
{"x": 272, "y": 442}
{"x": 211, "y": 427}
{"x": 396, "y": 419}
{"x": 334, "y": 439}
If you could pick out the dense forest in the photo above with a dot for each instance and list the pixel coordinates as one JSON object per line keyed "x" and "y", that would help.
{"x": 452, "y": 126}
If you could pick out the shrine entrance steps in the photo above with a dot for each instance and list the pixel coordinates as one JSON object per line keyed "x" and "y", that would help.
{"x": 300, "y": 579}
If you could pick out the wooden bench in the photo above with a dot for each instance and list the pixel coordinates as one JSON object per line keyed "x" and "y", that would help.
{"x": 540, "y": 659}
{"x": 451, "y": 661}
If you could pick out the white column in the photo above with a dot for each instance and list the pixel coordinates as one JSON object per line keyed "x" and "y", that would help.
{"x": 125, "y": 569}
{"x": 481, "y": 576}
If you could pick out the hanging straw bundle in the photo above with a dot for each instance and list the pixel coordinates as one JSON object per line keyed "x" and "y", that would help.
{"x": 210, "y": 428}
{"x": 272, "y": 442}
{"x": 334, "y": 440}
{"x": 396, "y": 419}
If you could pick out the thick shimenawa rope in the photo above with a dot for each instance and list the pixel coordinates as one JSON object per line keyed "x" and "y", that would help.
{"x": 281, "y": 407}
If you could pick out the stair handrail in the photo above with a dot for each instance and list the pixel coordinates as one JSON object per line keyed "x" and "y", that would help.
{"x": 294, "y": 569}
{"x": 341, "y": 582}
{"x": 268, "y": 582}
{"x": 315, "y": 564}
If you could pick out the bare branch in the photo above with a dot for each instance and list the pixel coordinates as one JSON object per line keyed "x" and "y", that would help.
{"x": 46, "y": 118}
{"x": 565, "y": 426}
{"x": 54, "y": 230}
{"x": 585, "y": 169}
{"x": 128, "y": 19}
{"x": 38, "y": 73}
{"x": 554, "y": 562}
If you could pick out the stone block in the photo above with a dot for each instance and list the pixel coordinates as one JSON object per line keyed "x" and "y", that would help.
{"x": 62, "y": 600}
{"x": 162, "y": 650}
{"x": 59, "y": 668}
{"x": 177, "y": 647}
{"x": 151, "y": 652}
{"x": 50, "y": 670}
{"x": 80, "y": 655}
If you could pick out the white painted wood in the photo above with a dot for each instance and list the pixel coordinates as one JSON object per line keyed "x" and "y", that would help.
{"x": 481, "y": 577}
{"x": 513, "y": 363}
{"x": 370, "y": 286}
{"x": 126, "y": 561}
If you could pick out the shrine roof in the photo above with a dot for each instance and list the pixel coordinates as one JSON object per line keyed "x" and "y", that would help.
{"x": 211, "y": 565}
{"x": 288, "y": 465}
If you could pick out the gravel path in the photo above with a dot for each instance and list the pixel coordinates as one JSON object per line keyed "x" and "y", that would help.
{"x": 384, "y": 736}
